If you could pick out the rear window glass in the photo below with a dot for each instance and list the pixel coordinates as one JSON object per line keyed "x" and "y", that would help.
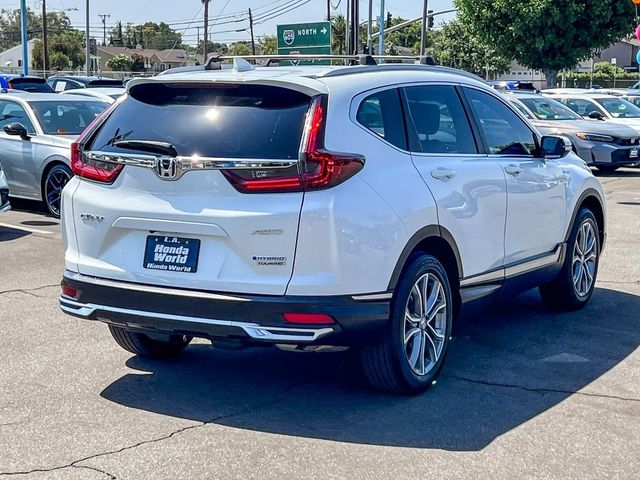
{"x": 228, "y": 121}
{"x": 104, "y": 83}
{"x": 66, "y": 118}
{"x": 30, "y": 85}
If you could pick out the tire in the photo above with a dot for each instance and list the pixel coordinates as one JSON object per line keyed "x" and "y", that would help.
{"x": 52, "y": 185}
{"x": 394, "y": 365}
{"x": 607, "y": 168}
{"x": 143, "y": 345}
{"x": 573, "y": 287}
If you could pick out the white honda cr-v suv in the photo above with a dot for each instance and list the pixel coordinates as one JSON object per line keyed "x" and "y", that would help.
{"x": 309, "y": 207}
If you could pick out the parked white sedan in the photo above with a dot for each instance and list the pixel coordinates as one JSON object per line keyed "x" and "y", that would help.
{"x": 36, "y": 132}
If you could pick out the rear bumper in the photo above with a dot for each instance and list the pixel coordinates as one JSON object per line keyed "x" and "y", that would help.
{"x": 359, "y": 320}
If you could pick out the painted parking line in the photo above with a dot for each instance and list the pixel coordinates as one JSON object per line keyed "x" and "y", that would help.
{"x": 26, "y": 229}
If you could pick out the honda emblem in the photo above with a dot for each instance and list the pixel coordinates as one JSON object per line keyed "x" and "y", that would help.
{"x": 166, "y": 168}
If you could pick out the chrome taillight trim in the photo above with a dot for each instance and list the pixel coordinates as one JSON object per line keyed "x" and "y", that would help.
{"x": 184, "y": 164}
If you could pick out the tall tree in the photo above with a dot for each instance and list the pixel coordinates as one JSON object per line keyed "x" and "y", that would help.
{"x": 268, "y": 45}
{"x": 10, "y": 24}
{"x": 457, "y": 46}
{"x": 548, "y": 35}
{"x": 339, "y": 28}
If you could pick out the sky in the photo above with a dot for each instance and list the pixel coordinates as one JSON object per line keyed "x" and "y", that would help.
{"x": 271, "y": 12}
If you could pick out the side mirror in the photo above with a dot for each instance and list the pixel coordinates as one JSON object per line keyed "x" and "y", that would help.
{"x": 16, "y": 129}
{"x": 554, "y": 147}
{"x": 596, "y": 115}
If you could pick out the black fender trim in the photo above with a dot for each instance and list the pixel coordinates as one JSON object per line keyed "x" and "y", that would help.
{"x": 422, "y": 234}
{"x": 589, "y": 192}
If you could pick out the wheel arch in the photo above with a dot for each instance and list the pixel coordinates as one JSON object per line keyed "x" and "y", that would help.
{"x": 437, "y": 241}
{"x": 590, "y": 199}
{"x": 48, "y": 165}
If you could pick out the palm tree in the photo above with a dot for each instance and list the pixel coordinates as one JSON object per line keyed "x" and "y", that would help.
{"x": 339, "y": 27}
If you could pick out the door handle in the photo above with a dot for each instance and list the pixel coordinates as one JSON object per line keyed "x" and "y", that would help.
{"x": 443, "y": 174}
{"x": 513, "y": 170}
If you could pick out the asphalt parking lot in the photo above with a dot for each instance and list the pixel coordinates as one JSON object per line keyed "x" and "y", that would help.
{"x": 525, "y": 393}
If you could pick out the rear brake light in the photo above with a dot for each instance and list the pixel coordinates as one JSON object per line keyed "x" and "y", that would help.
{"x": 100, "y": 171}
{"x": 309, "y": 318}
{"x": 69, "y": 292}
{"x": 319, "y": 169}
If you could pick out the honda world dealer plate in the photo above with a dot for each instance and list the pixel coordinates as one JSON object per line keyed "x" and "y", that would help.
{"x": 173, "y": 254}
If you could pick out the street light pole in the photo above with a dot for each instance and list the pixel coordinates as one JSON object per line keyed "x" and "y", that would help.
{"x": 25, "y": 46}
{"x": 370, "y": 29}
{"x": 381, "y": 28}
{"x": 87, "y": 53}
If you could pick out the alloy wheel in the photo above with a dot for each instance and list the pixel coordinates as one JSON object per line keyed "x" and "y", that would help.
{"x": 585, "y": 256}
{"x": 57, "y": 178}
{"x": 425, "y": 324}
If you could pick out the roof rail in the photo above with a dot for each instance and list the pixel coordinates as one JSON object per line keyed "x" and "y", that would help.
{"x": 214, "y": 62}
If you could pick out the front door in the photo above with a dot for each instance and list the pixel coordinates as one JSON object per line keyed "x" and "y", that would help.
{"x": 535, "y": 186}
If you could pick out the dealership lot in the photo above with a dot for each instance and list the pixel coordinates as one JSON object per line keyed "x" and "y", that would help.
{"x": 525, "y": 392}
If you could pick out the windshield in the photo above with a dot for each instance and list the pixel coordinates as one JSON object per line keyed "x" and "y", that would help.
{"x": 66, "y": 118}
{"x": 619, "y": 108}
{"x": 548, "y": 109}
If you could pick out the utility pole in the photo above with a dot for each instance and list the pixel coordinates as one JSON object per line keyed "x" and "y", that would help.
{"x": 423, "y": 33}
{"x": 87, "y": 53}
{"x": 381, "y": 28}
{"x": 253, "y": 40}
{"x": 370, "y": 29}
{"x": 198, "y": 42}
{"x": 104, "y": 17}
{"x": 45, "y": 44}
{"x": 328, "y": 10}
{"x": 355, "y": 27}
{"x": 23, "y": 29}
{"x": 206, "y": 29}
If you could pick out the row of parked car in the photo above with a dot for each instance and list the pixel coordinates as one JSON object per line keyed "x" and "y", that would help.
{"x": 39, "y": 119}
{"x": 603, "y": 125}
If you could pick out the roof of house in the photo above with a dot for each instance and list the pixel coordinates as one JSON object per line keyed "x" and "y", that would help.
{"x": 176, "y": 55}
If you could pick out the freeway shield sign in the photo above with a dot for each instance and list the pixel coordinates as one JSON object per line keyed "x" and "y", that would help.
{"x": 305, "y": 38}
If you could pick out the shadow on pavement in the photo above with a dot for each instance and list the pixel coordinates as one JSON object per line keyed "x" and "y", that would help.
{"x": 7, "y": 234}
{"x": 507, "y": 365}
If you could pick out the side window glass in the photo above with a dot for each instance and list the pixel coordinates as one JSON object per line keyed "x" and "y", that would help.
{"x": 382, "y": 114}
{"x": 439, "y": 121}
{"x": 504, "y": 131}
{"x": 11, "y": 112}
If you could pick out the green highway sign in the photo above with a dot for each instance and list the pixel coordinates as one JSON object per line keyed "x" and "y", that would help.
{"x": 306, "y": 39}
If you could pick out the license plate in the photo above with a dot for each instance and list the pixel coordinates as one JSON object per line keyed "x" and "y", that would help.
{"x": 173, "y": 254}
{"x": 633, "y": 153}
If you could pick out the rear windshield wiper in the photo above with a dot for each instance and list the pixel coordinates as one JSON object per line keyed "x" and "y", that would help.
{"x": 150, "y": 146}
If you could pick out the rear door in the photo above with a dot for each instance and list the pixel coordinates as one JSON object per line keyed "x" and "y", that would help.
{"x": 468, "y": 186}
{"x": 229, "y": 231}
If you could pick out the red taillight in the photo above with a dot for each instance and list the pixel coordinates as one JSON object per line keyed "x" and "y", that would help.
{"x": 105, "y": 172}
{"x": 69, "y": 292}
{"x": 320, "y": 168}
{"x": 309, "y": 318}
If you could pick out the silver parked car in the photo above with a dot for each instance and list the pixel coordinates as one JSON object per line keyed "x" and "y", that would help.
{"x": 36, "y": 132}
{"x": 4, "y": 192}
{"x": 604, "y": 145}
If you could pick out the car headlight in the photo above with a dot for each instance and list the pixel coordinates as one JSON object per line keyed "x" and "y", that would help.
{"x": 595, "y": 137}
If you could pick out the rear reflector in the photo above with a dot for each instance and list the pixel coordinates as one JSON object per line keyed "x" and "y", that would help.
{"x": 308, "y": 318}
{"x": 69, "y": 292}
